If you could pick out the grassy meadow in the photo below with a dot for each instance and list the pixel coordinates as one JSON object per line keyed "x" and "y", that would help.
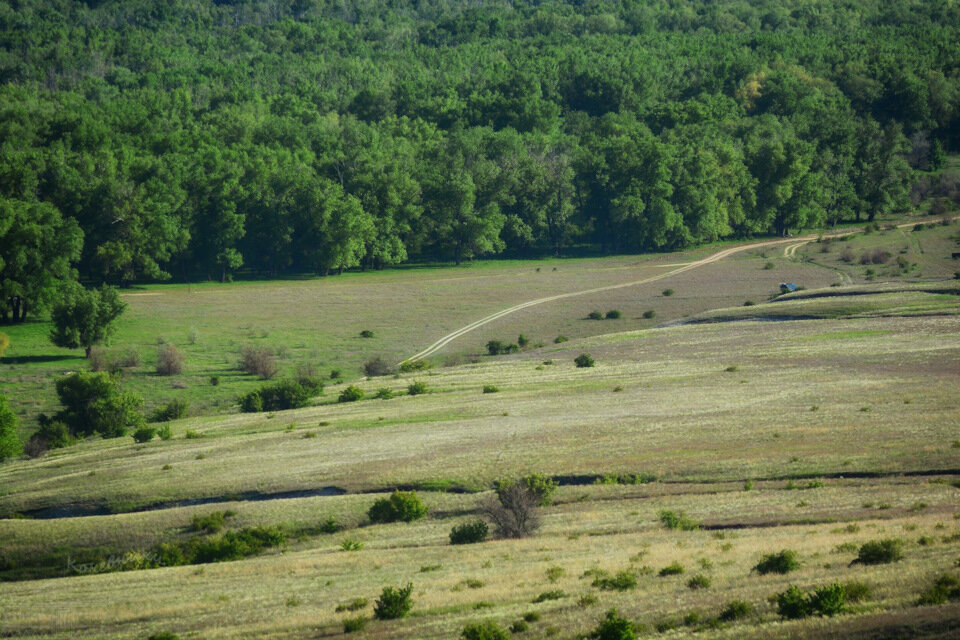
{"x": 814, "y": 423}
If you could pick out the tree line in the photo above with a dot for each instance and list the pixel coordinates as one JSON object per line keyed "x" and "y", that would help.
{"x": 147, "y": 140}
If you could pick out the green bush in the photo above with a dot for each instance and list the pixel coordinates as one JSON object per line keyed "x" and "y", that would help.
{"x": 366, "y": 333}
{"x": 280, "y": 396}
{"x": 95, "y": 403}
{"x": 828, "y": 600}
{"x": 856, "y": 591}
{"x": 350, "y": 394}
{"x": 560, "y": 339}
{"x": 614, "y": 627}
{"x": 416, "y": 388}
{"x": 793, "y": 603}
{"x": 469, "y": 532}
{"x": 736, "y": 610}
{"x": 212, "y": 522}
{"x": 384, "y": 393}
{"x": 555, "y": 594}
{"x": 519, "y": 626}
{"x": 595, "y": 315}
{"x": 393, "y": 603}
{"x": 10, "y": 444}
{"x": 540, "y": 485}
{"x": 52, "y": 434}
{"x": 496, "y": 347}
{"x": 489, "y": 388}
{"x": 583, "y": 360}
{"x": 946, "y": 588}
{"x": 165, "y": 432}
{"x": 486, "y": 630}
{"x": 354, "y": 605}
{"x": 698, "y": 581}
{"x": 165, "y": 635}
{"x": 672, "y": 569}
{"x": 233, "y": 545}
{"x": 621, "y": 581}
{"x": 351, "y": 625}
{"x": 173, "y": 410}
{"x": 401, "y": 506}
{"x": 613, "y": 314}
{"x": 376, "y": 366}
{"x": 414, "y": 365}
{"x": 144, "y": 434}
{"x": 650, "y": 313}
{"x": 668, "y": 292}
{"x": 677, "y": 520}
{"x": 251, "y": 402}
{"x": 783, "y": 562}
{"x": 522, "y": 341}
{"x": 880, "y": 552}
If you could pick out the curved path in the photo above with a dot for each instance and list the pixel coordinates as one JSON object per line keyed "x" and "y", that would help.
{"x": 790, "y": 251}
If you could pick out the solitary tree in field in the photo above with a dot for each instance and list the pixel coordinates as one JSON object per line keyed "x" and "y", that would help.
{"x": 85, "y": 317}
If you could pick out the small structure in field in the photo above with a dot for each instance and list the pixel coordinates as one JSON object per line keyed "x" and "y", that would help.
{"x": 786, "y": 287}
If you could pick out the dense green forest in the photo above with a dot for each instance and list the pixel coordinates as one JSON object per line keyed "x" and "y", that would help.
{"x": 150, "y": 139}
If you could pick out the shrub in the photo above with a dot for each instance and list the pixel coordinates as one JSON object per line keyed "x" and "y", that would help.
{"x": 698, "y": 581}
{"x": 212, "y": 522}
{"x": 522, "y": 341}
{"x": 736, "y": 610}
{"x": 165, "y": 432}
{"x": 350, "y": 625}
{"x": 783, "y": 562}
{"x": 514, "y": 511}
{"x": 768, "y": 266}
{"x": 595, "y": 315}
{"x": 416, "y": 388}
{"x": 351, "y": 545}
{"x": 335, "y": 374}
{"x": 541, "y": 485}
{"x": 614, "y": 627}
{"x": 672, "y": 569}
{"x": 377, "y": 366}
{"x": 649, "y": 313}
{"x": 393, "y": 603}
{"x": 164, "y": 635}
{"x": 173, "y": 410}
{"x": 144, "y": 434}
{"x": 847, "y": 255}
{"x": 350, "y": 394}
{"x": 531, "y": 616}
{"x": 366, "y": 333}
{"x": 489, "y": 388}
{"x": 469, "y": 532}
{"x": 214, "y": 381}
{"x": 793, "y": 604}
{"x": 52, "y": 434}
{"x": 10, "y": 444}
{"x": 856, "y": 591}
{"x": 677, "y": 520}
{"x": 486, "y": 630}
{"x": 280, "y": 396}
{"x": 880, "y": 552}
{"x": 4, "y": 343}
{"x": 560, "y": 339}
{"x": 354, "y": 605}
{"x": 546, "y": 596}
{"x": 169, "y": 360}
{"x": 584, "y": 360}
{"x": 613, "y": 314}
{"x": 414, "y": 365}
{"x": 95, "y": 403}
{"x": 251, "y": 402}
{"x": 519, "y": 626}
{"x": 668, "y": 292}
{"x": 384, "y": 393}
{"x": 404, "y": 506}
{"x": 945, "y": 589}
{"x": 621, "y": 581}
{"x": 233, "y": 545}
{"x": 828, "y": 600}
{"x": 258, "y": 361}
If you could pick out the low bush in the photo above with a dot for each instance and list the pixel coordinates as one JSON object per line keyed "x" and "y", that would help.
{"x": 668, "y": 292}
{"x": 212, "y": 522}
{"x": 540, "y": 485}
{"x": 350, "y": 394}
{"x": 233, "y": 545}
{"x": 170, "y": 360}
{"x": 856, "y": 591}
{"x": 95, "y": 403}
{"x": 880, "y": 552}
{"x": 173, "y": 410}
{"x": 351, "y": 545}
{"x": 649, "y": 313}
{"x": 522, "y": 341}
{"x": 144, "y": 434}
{"x": 945, "y": 588}
{"x": 490, "y": 388}
{"x": 736, "y": 610}
{"x": 393, "y": 603}
{"x": 546, "y": 596}
{"x": 620, "y": 581}
{"x": 10, "y": 444}
{"x": 352, "y": 625}
{"x": 614, "y": 627}
{"x": 672, "y": 569}
{"x": 584, "y": 360}
{"x": 828, "y": 600}
{"x": 560, "y": 339}
{"x": 497, "y": 347}
{"x": 414, "y": 365}
{"x": 613, "y": 314}
{"x": 258, "y": 361}
{"x": 402, "y": 506}
{"x": 698, "y": 581}
{"x": 519, "y": 626}
{"x": 416, "y": 388}
{"x": 165, "y": 432}
{"x": 280, "y": 396}
{"x": 595, "y": 315}
{"x": 677, "y": 520}
{"x": 469, "y": 532}
{"x": 384, "y": 393}
{"x": 377, "y": 366}
{"x": 782, "y": 562}
{"x": 366, "y": 333}
{"x": 486, "y": 630}
{"x": 354, "y": 605}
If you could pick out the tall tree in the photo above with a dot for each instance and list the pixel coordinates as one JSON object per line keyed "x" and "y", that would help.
{"x": 85, "y": 317}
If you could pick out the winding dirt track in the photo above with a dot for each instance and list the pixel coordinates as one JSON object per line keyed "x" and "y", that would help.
{"x": 790, "y": 251}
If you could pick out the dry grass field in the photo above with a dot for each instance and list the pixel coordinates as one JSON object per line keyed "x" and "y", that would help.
{"x": 814, "y": 423}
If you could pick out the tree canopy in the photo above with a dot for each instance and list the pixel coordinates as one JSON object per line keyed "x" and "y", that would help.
{"x": 143, "y": 140}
